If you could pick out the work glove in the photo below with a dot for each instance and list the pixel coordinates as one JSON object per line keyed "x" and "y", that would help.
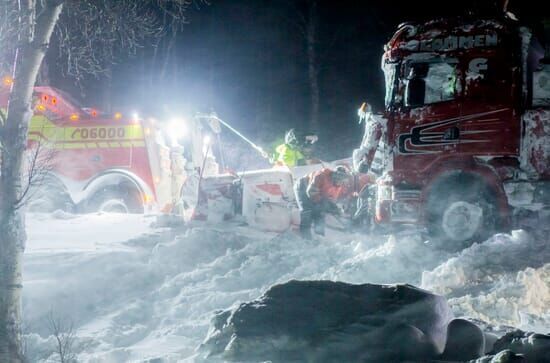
{"x": 312, "y": 139}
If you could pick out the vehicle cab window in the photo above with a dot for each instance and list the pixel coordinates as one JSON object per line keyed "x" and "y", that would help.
{"x": 430, "y": 82}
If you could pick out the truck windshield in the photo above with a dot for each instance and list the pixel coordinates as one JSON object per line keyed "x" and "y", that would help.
{"x": 427, "y": 83}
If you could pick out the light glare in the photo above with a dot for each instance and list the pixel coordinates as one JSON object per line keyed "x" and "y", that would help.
{"x": 176, "y": 130}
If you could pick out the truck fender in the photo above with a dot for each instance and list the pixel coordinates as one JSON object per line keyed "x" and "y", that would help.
{"x": 114, "y": 177}
{"x": 484, "y": 173}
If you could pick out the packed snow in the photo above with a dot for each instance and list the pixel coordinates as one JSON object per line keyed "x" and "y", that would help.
{"x": 137, "y": 288}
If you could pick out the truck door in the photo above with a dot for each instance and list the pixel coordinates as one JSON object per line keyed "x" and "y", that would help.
{"x": 425, "y": 126}
{"x": 490, "y": 122}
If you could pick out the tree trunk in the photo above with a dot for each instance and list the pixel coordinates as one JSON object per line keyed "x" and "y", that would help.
{"x": 13, "y": 139}
{"x": 313, "y": 66}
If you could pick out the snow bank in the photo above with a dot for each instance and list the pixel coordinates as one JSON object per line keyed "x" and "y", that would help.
{"x": 504, "y": 280}
{"x": 136, "y": 290}
{"x": 400, "y": 259}
{"x": 522, "y": 301}
{"x": 64, "y": 232}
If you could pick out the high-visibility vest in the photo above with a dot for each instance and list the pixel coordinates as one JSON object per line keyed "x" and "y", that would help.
{"x": 288, "y": 156}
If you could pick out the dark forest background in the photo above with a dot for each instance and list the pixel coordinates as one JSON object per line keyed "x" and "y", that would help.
{"x": 248, "y": 61}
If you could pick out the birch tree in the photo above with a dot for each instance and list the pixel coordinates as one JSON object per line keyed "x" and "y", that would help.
{"x": 92, "y": 34}
{"x": 33, "y": 32}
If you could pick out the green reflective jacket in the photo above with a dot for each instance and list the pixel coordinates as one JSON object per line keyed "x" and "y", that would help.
{"x": 289, "y": 156}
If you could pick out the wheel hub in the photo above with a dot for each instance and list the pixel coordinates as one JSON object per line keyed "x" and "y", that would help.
{"x": 113, "y": 206}
{"x": 461, "y": 220}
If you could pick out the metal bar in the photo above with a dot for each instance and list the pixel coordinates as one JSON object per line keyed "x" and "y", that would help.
{"x": 254, "y": 146}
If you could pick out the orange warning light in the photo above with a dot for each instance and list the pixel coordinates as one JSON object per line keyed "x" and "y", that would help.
{"x": 7, "y": 81}
{"x": 40, "y": 107}
{"x": 147, "y": 198}
{"x": 74, "y": 117}
{"x": 118, "y": 115}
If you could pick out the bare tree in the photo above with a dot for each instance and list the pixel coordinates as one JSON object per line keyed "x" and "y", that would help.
{"x": 33, "y": 35}
{"x": 65, "y": 338}
{"x": 39, "y": 163}
{"x": 92, "y": 34}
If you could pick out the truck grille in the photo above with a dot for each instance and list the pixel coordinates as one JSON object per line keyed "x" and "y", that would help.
{"x": 403, "y": 194}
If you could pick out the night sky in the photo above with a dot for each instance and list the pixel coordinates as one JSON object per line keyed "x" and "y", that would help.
{"x": 246, "y": 60}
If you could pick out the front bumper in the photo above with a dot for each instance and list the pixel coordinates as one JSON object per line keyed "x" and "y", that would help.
{"x": 398, "y": 206}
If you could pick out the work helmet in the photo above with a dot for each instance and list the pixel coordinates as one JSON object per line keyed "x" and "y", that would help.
{"x": 340, "y": 174}
{"x": 290, "y": 137}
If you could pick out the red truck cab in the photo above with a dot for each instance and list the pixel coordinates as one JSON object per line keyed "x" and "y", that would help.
{"x": 466, "y": 127}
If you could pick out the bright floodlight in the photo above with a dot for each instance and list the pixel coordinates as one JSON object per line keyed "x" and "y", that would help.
{"x": 206, "y": 145}
{"x": 176, "y": 130}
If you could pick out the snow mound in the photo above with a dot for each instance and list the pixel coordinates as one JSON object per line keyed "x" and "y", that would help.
{"x": 399, "y": 259}
{"x": 136, "y": 289}
{"x": 521, "y": 301}
{"x": 519, "y": 346}
{"x": 326, "y": 321}
{"x": 504, "y": 280}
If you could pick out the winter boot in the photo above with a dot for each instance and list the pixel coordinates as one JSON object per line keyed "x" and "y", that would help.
{"x": 305, "y": 224}
{"x": 319, "y": 227}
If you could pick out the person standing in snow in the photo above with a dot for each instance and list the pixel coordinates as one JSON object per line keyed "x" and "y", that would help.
{"x": 294, "y": 151}
{"x": 374, "y": 128}
{"x": 362, "y": 159}
{"x": 317, "y": 194}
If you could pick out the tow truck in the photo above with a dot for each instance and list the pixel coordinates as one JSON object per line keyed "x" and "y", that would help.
{"x": 91, "y": 161}
{"x": 465, "y": 134}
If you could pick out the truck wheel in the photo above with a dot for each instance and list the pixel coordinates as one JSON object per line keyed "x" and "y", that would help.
{"x": 115, "y": 200}
{"x": 460, "y": 213}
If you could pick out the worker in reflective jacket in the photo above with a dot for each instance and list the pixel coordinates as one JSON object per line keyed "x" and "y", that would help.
{"x": 317, "y": 194}
{"x": 295, "y": 151}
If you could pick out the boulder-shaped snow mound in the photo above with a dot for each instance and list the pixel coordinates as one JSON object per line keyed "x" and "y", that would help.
{"x": 326, "y": 321}
{"x": 519, "y": 347}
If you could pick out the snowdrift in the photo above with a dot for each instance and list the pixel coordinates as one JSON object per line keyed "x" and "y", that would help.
{"x": 135, "y": 290}
{"x": 505, "y": 280}
{"x": 326, "y": 321}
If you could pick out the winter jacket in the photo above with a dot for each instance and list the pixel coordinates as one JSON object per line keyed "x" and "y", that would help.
{"x": 289, "y": 156}
{"x": 321, "y": 187}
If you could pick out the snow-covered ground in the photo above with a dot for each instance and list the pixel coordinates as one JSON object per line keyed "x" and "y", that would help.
{"x": 134, "y": 290}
